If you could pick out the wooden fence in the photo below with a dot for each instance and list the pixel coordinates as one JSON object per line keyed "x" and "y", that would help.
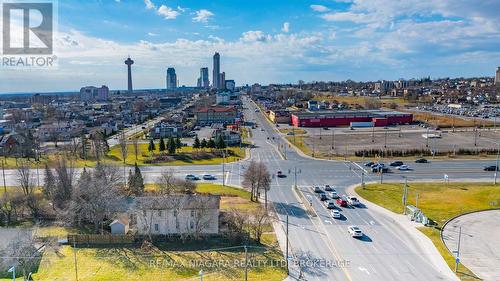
{"x": 98, "y": 239}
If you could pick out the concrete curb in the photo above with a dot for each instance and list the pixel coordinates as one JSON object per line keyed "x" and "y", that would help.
{"x": 426, "y": 245}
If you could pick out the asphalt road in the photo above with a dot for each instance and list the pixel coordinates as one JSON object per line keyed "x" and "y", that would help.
{"x": 479, "y": 243}
{"x": 320, "y": 242}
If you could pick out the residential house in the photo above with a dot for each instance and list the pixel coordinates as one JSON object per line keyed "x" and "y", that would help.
{"x": 177, "y": 214}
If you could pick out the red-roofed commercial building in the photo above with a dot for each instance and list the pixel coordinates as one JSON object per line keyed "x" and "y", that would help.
{"x": 218, "y": 114}
{"x": 379, "y": 118}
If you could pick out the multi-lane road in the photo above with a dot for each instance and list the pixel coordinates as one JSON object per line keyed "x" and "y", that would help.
{"x": 321, "y": 243}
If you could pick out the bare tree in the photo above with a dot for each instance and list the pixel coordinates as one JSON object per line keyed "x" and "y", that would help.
{"x": 94, "y": 200}
{"x": 27, "y": 183}
{"x": 259, "y": 219}
{"x": 167, "y": 182}
{"x": 64, "y": 183}
{"x": 109, "y": 173}
{"x": 236, "y": 220}
{"x": 50, "y": 186}
{"x": 135, "y": 144}
{"x": 257, "y": 178}
{"x": 123, "y": 146}
{"x": 22, "y": 253}
{"x": 201, "y": 218}
{"x": 250, "y": 179}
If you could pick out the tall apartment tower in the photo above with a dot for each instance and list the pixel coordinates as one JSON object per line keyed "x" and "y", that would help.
{"x": 216, "y": 72}
{"x": 222, "y": 81}
{"x": 204, "y": 80}
{"x": 497, "y": 77}
{"x": 129, "y": 62}
{"x": 171, "y": 79}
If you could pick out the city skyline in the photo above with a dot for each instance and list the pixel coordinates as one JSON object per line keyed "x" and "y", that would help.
{"x": 310, "y": 41}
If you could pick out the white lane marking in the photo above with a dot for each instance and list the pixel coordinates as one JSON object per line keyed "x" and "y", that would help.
{"x": 328, "y": 221}
{"x": 364, "y": 270}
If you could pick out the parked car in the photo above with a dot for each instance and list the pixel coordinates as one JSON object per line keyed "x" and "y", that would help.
{"x": 396, "y": 163}
{"x": 403, "y": 168}
{"x": 330, "y": 205}
{"x": 336, "y": 214}
{"x": 323, "y": 197}
{"x": 328, "y": 188}
{"x": 353, "y": 201}
{"x": 192, "y": 178}
{"x": 355, "y": 231}
{"x": 326, "y": 128}
{"x": 491, "y": 168}
{"x": 209, "y": 177}
{"x": 318, "y": 189}
{"x": 334, "y": 195}
{"x": 342, "y": 202}
{"x": 421, "y": 160}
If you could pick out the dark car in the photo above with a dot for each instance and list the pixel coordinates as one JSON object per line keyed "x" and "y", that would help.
{"x": 369, "y": 164}
{"x": 379, "y": 169}
{"x": 491, "y": 168}
{"x": 342, "y": 202}
{"x": 280, "y": 174}
{"x": 421, "y": 160}
{"x": 323, "y": 197}
{"x": 328, "y": 188}
{"x": 396, "y": 164}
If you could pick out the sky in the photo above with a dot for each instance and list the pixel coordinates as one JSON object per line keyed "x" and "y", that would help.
{"x": 264, "y": 41}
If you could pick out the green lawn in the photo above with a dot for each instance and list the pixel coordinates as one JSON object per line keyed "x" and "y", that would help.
{"x": 439, "y": 202}
{"x": 157, "y": 263}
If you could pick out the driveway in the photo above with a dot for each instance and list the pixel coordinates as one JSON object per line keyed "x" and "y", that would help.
{"x": 479, "y": 246}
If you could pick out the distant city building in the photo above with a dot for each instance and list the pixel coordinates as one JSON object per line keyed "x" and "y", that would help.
{"x": 91, "y": 93}
{"x": 222, "y": 81}
{"x": 216, "y": 72}
{"x": 497, "y": 77}
{"x": 256, "y": 89}
{"x": 171, "y": 79}
{"x": 129, "y": 62}
{"x": 384, "y": 86}
{"x": 228, "y": 97}
{"x": 204, "y": 81}
{"x": 230, "y": 85}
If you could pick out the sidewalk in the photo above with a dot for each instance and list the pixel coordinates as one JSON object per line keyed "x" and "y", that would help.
{"x": 410, "y": 227}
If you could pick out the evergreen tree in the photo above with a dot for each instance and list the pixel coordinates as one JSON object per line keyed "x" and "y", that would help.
{"x": 171, "y": 146}
{"x": 211, "y": 143}
{"x": 151, "y": 146}
{"x": 136, "y": 181}
{"x": 162, "y": 145}
{"x": 196, "y": 144}
{"x": 50, "y": 185}
{"x": 178, "y": 143}
{"x": 204, "y": 143}
{"x": 220, "y": 144}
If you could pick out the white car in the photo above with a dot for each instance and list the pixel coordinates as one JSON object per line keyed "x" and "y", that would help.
{"x": 330, "y": 204}
{"x": 209, "y": 177}
{"x": 336, "y": 214}
{"x": 353, "y": 201}
{"x": 355, "y": 231}
{"x": 334, "y": 195}
{"x": 403, "y": 168}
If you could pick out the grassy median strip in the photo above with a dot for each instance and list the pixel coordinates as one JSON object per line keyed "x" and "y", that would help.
{"x": 439, "y": 202}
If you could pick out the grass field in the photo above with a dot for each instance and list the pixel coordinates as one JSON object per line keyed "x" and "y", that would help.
{"x": 359, "y": 100}
{"x": 161, "y": 262}
{"x": 295, "y": 131}
{"x": 114, "y": 157}
{"x": 439, "y": 202}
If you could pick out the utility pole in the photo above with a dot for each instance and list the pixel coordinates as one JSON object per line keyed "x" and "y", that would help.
{"x": 333, "y": 139}
{"x": 246, "y": 263}
{"x": 362, "y": 180}
{"x": 223, "y": 168}
{"x": 427, "y": 138}
{"x": 405, "y": 194}
{"x": 475, "y": 136}
{"x": 373, "y": 133}
{"x": 385, "y": 141}
{"x": 496, "y": 165}
{"x": 287, "y": 271}
{"x": 3, "y": 173}
{"x": 76, "y": 261}
{"x": 457, "y": 261}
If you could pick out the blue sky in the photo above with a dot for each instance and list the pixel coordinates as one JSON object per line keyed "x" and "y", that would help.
{"x": 265, "y": 41}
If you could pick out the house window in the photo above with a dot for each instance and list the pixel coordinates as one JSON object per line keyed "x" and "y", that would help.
{"x": 159, "y": 213}
{"x": 191, "y": 224}
{"x": 192, "y": 213}
{"x": 156, "y": 227}
{"x": 175, "y": 213}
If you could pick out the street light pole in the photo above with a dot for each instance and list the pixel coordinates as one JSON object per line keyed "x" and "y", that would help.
{"x": 373, "y": 133}
{"x": 457, "y": 261}
{"x": 287, "y": 271}
{"x": 496, "y": 165}
{"x": 405, "y": 194}
{"x": 223, "y": 168}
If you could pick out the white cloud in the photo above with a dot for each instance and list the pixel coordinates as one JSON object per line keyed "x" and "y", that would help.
{"x": 286, "y": 27}
{"x": 203, "y": 16}
{"x": 152, "y": 34}
{"x": 319, "y": 8}
{"x": 254, "y": 36}
{"x": 181, "y": 9}
{"x": 167, "y": 12}
{"x": 149, "y": 4}
{"x": 347, "y": 16}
